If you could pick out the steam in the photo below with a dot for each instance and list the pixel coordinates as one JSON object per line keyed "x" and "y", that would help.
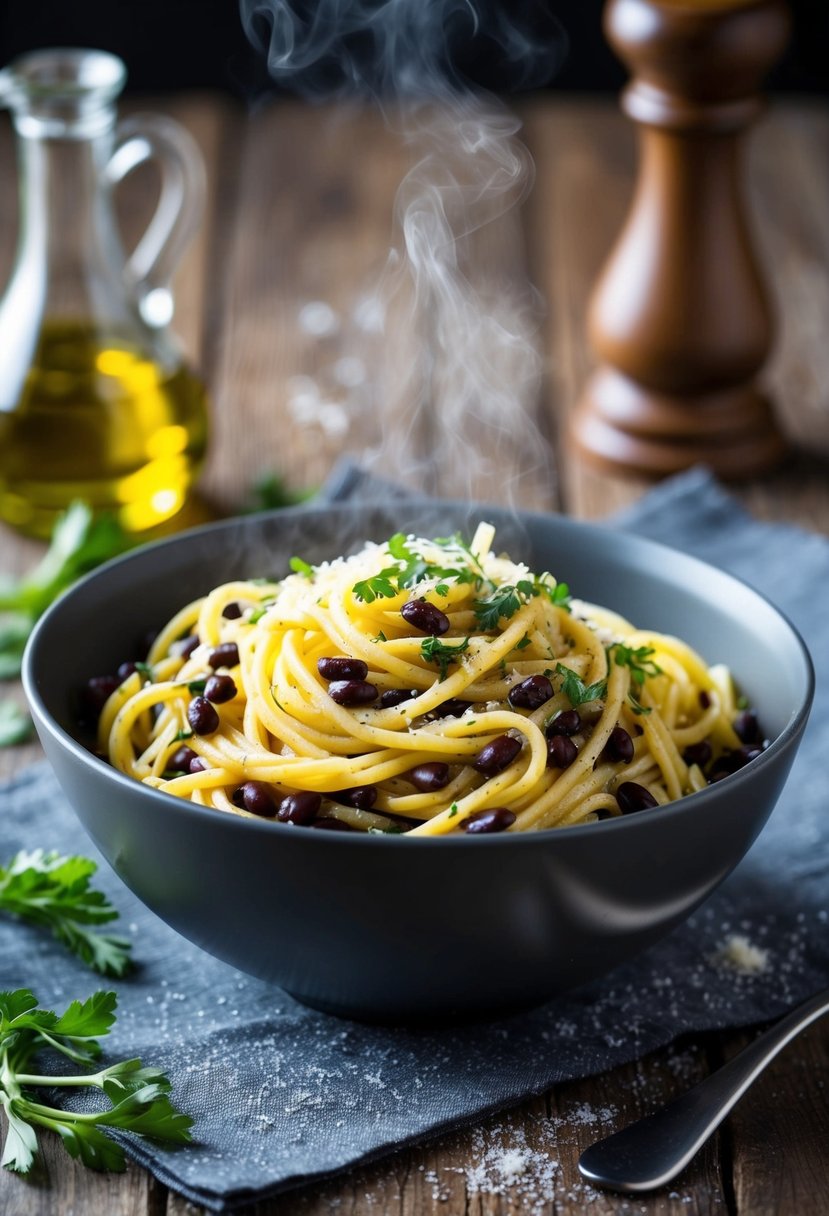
{"x": 445, "y": 322}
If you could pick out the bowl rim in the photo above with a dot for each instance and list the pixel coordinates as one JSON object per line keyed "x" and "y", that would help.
{"x": 181, "y": 806}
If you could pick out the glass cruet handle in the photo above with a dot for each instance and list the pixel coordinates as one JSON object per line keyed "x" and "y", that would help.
{"x": 150, "y": 267}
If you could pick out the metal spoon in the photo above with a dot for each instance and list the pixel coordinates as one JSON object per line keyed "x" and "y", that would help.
{"x": 652, "y": 1151}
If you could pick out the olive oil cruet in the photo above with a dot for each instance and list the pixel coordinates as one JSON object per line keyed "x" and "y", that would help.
{"x": 96, "y": 401}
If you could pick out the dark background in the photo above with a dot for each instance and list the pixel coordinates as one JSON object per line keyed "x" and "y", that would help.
{"x": 176, "y": 44}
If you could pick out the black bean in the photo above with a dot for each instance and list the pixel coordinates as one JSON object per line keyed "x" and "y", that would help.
{"x": 633, "y": 797}
{"x": 433, "y": 775}
{"x": 453, "y": 708}
{"x": 225, "y": 655}
{"x": 619, "y": 746}
{"x": 198, "y": 765}
{"x": 396, "y": 696}
{"x": 219, "y": 689}
{"x": 94, "y": 696}
{"x": 530, "y": 693}
{"x": 494, "y": 819}
{"x": 732, "y": 761}
{"x": 568, "y": 722}
{"x": 333, "y": 825}
{"x": 182, "y": 758}
{"x": 257, "y": 798}
{"x": 698, "y": 753}
{"x": 352, "y": 692}
{"x": 125, "y": 671}
{"x": 425, "y": 617}
{"x": 231, "y": 611}
{"x": 202, "y": 716}
{"x": 747, "y": 727}
{"x": 301, "y": 807}
{"x": 561, "y": 751}
{"x": 497, "y": 755}
{"x": 363, "y": 797}
{"x": 342, "y": 668}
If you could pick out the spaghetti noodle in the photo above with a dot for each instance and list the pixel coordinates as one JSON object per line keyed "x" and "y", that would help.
{"x": 424, "y": 687}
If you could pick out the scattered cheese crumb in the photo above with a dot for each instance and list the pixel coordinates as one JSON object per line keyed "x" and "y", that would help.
{"x": 738, "y": 954}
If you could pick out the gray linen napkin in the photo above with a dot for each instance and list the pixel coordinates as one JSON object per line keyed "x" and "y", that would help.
{"x": 283, "y": 1095}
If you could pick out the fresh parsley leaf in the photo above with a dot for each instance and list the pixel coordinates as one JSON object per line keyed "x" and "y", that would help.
{"x": 559, "y": 595}
{"x": 503, "y": 603}
{"x": 197, "y": 686}
{"x": 54, "y": 892}
{"x": 524, "y": 643}
{"x": 138, "y": 1097}
{"x": 181, "y": 735}
{"x": 145, "y": 670}
{"x": 638, "y": 660}
{"x": 575, "y": 689}
{"x": 15, "y": 724}
{"x": 80, "y": 541}
{"x": 442, "y": 653}
{"x": 453, "y": 810}
{"x": 379, "y": 586}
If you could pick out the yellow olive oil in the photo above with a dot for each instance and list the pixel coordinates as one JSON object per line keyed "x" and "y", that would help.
{"x": 99, "y": 420}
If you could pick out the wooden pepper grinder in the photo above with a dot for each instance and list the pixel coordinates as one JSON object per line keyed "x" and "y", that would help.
{"x": 680, "y": 317}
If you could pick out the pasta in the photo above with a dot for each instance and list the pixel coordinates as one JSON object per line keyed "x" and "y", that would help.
{"x": 424, "y": 687}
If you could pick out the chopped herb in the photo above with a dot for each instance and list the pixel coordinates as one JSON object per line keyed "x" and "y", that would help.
{"x": 636, "y": 705}
{"x": 15, "y": 724}
{"x": 524, "y": 643}
{"x": 145, "y": 670}
{"x": 453, "y": 810}
{"x": 138, "y": 1097}
{"x": 574, "y": 688}
{"x": 381, "y": 637}
{"x": 638, "y": 660}
{"x": 256, "y": 615}
{"x": 560, "y": 596}
{"x": 504, "y": 602}
{"x": 197, "y": 686}
{"x": 441, "y": 589}
{"x": 442, "y": 653}
{"x": 54, "y": 892}
{"x": 379, "y": 586}
{"x": 301, "y": 567}
{"x": 181, "y": 735}
{"x": 170, "y": 774}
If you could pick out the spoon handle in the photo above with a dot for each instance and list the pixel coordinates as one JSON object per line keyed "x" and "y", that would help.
{"x": 650, "y": 1152}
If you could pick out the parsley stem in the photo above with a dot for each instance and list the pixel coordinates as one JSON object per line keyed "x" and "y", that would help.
{"x": 27, "y": 1078}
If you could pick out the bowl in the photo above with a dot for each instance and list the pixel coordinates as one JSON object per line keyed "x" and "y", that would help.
{"x": 394, "y": 928}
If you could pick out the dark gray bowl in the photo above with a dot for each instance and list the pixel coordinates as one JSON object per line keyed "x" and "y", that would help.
{"x": 395, "y": 928}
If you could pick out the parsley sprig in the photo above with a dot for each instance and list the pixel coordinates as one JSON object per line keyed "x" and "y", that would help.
{"x": 54, "y": 892}
{"x": 80, "y": 541}
{"x": 442, "y": 653}
{"x": 411, "y": 568}
{"x": 641, "y": 665}
{"x": 575, "y": 689}
{"x": 138, "y": 1097}
{"x": 507, "y": 599}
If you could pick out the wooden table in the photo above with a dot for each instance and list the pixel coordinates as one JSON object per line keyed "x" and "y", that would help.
{"x": 300, "y": 211}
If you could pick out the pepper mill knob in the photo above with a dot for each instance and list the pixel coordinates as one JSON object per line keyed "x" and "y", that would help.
{"x": 680, "y": 318}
